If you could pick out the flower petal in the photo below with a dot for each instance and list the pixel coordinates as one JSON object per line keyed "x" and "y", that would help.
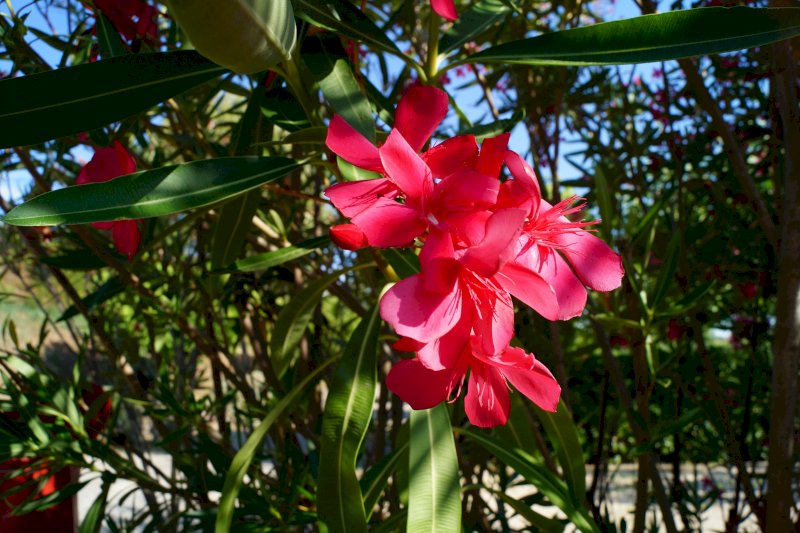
{"x": 346, "y": 142}
{"x": 494, "y": 325}
{"x": 417, "y": 313}
{"x": 348, "y": 237}
{"x": 487, "y": 403}
{"x": 452, "y": 155}
{"x": 498, "y": 245}
{"x": 445, "y": 9}
{"x": 530, "y": 288}
{"x": 444, "y": 352}
{"x": 406, "y": 169}
{"x": 595, "y": 263}
{"x": 353, "y": 197}
{"x": 493, "y": 150}
{"x": 464, "y": 191}
{"x": 537, "y": 383}
{"x": 436, "y": 260}
{"x": 388, "y": 223}
{"x": 570, "y": 292}
{"x": 126, "y": 236}
{"x": 420, "y": 111}
{"x": 418, "y": 386}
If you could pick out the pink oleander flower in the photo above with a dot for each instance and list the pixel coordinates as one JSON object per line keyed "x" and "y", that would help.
{"x": 459, "y": 321}
{"x": 445, "y": 9}
{"x": 395, "y": 209}
{"x": 553, "y": 248}
{"x": 107, "y": 164}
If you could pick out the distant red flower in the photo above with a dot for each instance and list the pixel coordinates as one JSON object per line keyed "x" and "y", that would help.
{"x": 133, "y": 19}
{"x": 107, "y": 164}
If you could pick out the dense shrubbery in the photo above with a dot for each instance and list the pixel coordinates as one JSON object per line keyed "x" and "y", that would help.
{"x": 215, "y": 323}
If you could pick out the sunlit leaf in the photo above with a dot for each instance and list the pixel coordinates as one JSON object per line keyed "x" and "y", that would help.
{"x": 649, "y": 38}
{"x": 94, "y": 94}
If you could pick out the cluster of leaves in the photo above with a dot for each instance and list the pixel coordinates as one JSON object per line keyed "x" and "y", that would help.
{"x": 224, "y": 342}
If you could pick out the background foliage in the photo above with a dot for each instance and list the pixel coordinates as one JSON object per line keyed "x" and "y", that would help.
{"x": 244, "y": 346}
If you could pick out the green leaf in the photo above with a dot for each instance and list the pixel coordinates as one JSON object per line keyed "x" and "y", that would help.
{"x": 294, "y": 318}
{"x": 434, "y": 492}
{"x": 348, "y": 412}
{"x": 376, "y": 478}
{"x": 246, "y": 36}
{"x": 107, "y": 290}
{"x": 537, "y": 520}
{"x": 235, "y": 219}
{"x": 340, "y": 16}
{"x": 330, "y": 66}
{"x": 278, "y": 257}
{"x": 95, "y": 94}
{"x": 665, "y": 277}
{"x": 111, "y": 44}
{"x": 545, "y": 481}
{"x": 650, "y": 38}
{"x": 564, "y": 435}
{"x": 351, "y": 172}
{"x": 472, "y": 23}
{"x": 241, "y": 462}
{"x": 158, "y": 192}
{"x": 404, "y": 261}
{"x": 94, "y": 516}
{"x": 76, "y": 260}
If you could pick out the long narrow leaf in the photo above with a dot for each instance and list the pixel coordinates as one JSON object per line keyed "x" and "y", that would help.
{"x": 547, "y": 483}
{"x": 278, "y": 257}
{"x": 348, "y": 412}
{"x": 434, "y": 494}
{"x": 241, "y": 462}
{"x": 158, "y": 192}
{"x": 649, "y": 38}
{"x": 564, "y": 435}
{"x": 70, "y": 100}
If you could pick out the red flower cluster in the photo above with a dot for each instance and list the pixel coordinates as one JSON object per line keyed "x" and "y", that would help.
{"x": 107, "y": 164}
{"x": 484, "y": 241}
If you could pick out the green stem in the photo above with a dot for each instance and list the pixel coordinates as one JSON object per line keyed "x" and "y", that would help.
{"x": 292, "y": 76}
{"x": 432, "y": 61}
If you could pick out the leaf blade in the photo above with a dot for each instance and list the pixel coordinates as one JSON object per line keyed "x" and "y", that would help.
{"x": 348, "y": 412}
{"x": 650, "y": 38}
{"x": 95, "y": 94}
{"x": 152, "y": 193}
{"x": 434, "y": 502}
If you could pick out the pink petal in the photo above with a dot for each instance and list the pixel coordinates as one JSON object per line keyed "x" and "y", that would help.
{"x": 597, "y": 265}
{"x": 570, "y": 292}
{"x": 494, "y": 327}
{"x": 452, "y": 155}
{"x": 406, "y": 169}
{"x": 498, "y": 245}
{"x": 445, "y": 351}
{"x": 404, "y": 344}
{"x": 530, "y": 288}
{"x": 348, "y": 237}
{"x": 420, "y": 111}
{"x": 445, "y": 9}
{"x": 353, "y": 197}
{"x": 388, "y": 223}
{"x": 126, "y": 236}
{"x": 126, "y": 164}
{"x": 103, "y": 225}
{"x": 464, "y": 191}
{"x": 487, "y": 403}
{"x": 522, "y": 191}
{"x": 493, "y": 150}
{"x": 417, "y": 313}
{"x": 346, "y": 142}
{"x": 437, "y": 262}
{"x": 537, "y": 383}
{"x": 418, "y": 386}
